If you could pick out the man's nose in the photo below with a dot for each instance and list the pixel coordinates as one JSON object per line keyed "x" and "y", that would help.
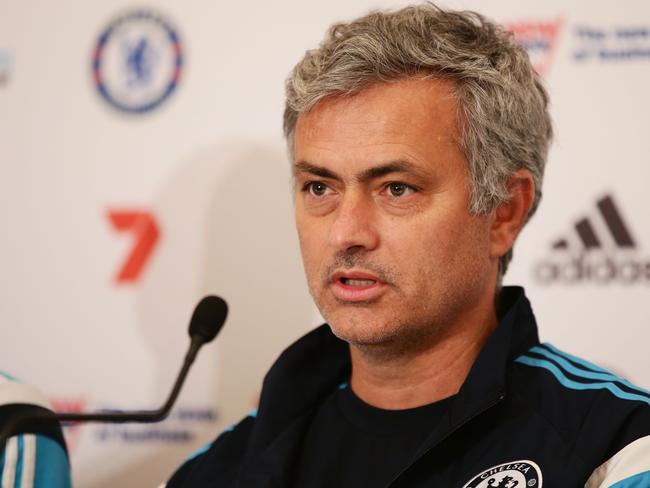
{"x": 354, "y": 224}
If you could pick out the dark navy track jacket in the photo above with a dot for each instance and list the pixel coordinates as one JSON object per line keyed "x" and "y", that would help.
{"x": 528, "y": 415}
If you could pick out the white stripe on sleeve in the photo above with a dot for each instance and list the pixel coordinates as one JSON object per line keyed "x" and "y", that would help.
{"x": 29, "y": 461}
{"x": 11, "y": 457}
{"x": 629, "y": 461}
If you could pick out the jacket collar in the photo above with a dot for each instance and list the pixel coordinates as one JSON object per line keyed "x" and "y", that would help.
{"x": 303, "y": 376}
{"x": 310, "y": 369}
{"x": 515, "y": 334}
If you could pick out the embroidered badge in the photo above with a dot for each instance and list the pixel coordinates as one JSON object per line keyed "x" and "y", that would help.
{"x": 519, "y": 474}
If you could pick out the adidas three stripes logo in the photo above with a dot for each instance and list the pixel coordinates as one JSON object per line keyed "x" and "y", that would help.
{"x": 614, "y": 223}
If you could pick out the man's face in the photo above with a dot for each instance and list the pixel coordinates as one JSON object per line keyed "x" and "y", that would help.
{"x": 391, "y": 252}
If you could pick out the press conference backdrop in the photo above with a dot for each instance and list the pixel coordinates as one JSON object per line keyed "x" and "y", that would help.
{"x": 143, "y": 166}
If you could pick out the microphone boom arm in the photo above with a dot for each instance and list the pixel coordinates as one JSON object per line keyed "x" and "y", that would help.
{"x": 207, "y": 320}
{"x": 17, "y": 423}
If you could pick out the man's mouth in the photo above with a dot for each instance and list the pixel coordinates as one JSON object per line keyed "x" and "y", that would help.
{"x": 356, "y": 286}
{"x": 356, "y": 282}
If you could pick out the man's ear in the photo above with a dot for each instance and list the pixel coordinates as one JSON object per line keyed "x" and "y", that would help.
{"x": 509, "y": 217}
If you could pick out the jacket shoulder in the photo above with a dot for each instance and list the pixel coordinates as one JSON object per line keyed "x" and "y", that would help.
{"x": 599, "y": 413}
{"x": 216, "y": 462}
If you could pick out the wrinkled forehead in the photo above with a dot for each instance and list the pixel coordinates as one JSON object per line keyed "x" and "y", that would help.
{"x": 405, "y": 118}
{"x": 403, "y": 100}
{"x": 410, "y": 120}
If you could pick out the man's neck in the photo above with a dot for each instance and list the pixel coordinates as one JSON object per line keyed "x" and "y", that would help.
{"x": 410, "y": 380}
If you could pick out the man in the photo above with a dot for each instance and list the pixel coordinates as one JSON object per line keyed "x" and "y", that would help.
{"x": 418, "y": 142}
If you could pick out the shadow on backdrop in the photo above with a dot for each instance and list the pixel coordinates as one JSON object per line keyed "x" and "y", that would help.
{"x": 226, "y": 219}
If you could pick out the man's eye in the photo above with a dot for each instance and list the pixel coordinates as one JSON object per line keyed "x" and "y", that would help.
{"x": 316, "y": 188}
{"x": 399, "y": 189}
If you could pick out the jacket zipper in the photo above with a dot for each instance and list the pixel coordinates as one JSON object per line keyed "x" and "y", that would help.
{"x": 449, "y": 434}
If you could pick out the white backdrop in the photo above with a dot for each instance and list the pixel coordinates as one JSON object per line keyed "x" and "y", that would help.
{"x": 199, "y": 186}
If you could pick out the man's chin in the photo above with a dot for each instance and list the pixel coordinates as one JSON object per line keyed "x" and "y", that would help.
{"x": 379, "y": 338}
{"x": 361, "y": 323}
{"x": 362, "y": 335}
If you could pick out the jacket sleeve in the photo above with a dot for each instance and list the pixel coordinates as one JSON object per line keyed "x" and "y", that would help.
{"x": 36, "y": 457}
{"x": 628, "y": 468}
{"x": 34, "y": 461}
{"x": 618, "y": 425}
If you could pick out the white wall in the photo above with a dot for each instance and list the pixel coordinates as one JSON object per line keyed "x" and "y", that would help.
{"x": 208, "y": 167}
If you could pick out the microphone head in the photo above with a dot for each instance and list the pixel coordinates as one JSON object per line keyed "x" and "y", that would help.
{"x": 208, "y": 318}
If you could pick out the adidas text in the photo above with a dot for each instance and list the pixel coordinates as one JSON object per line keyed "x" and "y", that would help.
{"x": 594, "y": 267}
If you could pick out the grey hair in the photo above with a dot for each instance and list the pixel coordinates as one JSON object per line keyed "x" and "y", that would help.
{"x": 503, "y": 106}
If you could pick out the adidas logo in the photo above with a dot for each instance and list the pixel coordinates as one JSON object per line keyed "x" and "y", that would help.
{"x": 613, "y": 222}
{"x": 600, "y": 251}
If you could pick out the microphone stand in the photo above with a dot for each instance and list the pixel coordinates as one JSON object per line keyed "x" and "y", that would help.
{"x": 207, "y": 320}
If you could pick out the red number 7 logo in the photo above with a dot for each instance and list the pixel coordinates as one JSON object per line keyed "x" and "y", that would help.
{"x": 145, "y": 234}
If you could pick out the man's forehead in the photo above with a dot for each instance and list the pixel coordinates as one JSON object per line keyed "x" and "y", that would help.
{"x": 417, "y": 107}
{"x": 411, "y": 120}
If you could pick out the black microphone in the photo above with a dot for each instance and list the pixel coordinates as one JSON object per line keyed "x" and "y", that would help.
{"x": 207, "y": 320}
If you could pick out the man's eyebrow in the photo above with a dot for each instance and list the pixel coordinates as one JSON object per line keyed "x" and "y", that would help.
{"x": 305, "y": 167}
{"x": 399, "y": 166}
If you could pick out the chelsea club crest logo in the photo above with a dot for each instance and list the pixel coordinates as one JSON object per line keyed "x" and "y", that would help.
{"x": 515, "y": 474}
{"x": 137, "y": 62}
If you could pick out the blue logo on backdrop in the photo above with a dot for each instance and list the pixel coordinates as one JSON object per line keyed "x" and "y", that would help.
{"x": 137, "y": 62}
{"x": 182, "y": 426}
{"x": 622, "y": 43}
